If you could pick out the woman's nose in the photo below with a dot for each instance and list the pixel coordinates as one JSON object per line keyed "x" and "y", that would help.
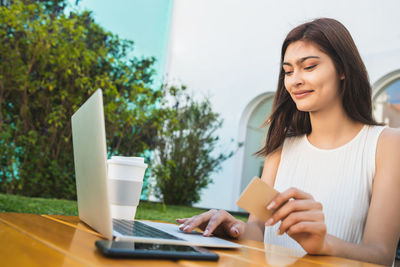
{"x": 297, "y": 79}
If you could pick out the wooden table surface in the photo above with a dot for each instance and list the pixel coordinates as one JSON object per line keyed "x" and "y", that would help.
{"x": 55, "y": 240}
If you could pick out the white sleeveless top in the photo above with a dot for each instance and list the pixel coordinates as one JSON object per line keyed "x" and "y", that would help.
{"x": 340, "y": 178}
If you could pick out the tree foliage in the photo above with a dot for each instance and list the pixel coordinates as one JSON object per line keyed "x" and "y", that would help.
{"x": 184, "y": 159}
{"x": 50, "y": 62}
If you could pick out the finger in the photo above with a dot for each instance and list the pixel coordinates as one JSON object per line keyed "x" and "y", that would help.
{"x": 318, "y": 228}
{"x": 236, "y": 230}
{"x": 215, "y": 221}
{"x": 185, "y": 222}
{"x": 188, "y": 221}
{"x": 286, "y": 196}
{"x": 293, "y": 206}
{"x": 196, "y": 221}
{"x": 302, "y": 216}
{"x": 181, "y": 220}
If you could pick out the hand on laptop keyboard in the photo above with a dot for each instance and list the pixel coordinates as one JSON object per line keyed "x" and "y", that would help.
{"x": 218, "y": 222}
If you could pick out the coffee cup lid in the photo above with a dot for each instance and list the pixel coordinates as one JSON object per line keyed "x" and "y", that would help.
{"x": 137, "y": 161}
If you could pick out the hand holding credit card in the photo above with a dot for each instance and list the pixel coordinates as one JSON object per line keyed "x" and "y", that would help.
{"x": 256, "y": 197}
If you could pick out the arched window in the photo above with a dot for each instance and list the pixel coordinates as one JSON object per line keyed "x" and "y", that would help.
{"x": 386, "y": 100}
{"x": 255, "y": 138}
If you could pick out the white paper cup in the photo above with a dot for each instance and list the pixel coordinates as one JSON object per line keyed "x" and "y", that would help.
{"x": 125, "y": 181}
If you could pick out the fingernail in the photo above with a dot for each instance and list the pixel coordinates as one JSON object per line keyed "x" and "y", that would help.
{"x": 271, "y": 205}
{"x": 205, "y": 232}
{"x": 270, "y": 221}
{"x": 181, "y": 225}
{"x": 186, "y": 227}
{"x": 278, "y": 232}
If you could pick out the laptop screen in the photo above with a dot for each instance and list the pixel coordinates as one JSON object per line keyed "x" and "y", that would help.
{"x": 90, "y": 159}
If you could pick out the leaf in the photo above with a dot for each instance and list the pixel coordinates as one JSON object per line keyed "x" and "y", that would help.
{"x": 50, "y": 64}
{"x": 184, "y": 159}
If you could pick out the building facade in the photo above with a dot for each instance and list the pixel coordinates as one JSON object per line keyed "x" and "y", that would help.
{"x": 228, "y": 50}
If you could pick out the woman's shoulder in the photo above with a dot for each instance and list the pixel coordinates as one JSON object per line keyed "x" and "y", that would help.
{"x": 293, "y": 142}
{"x": 273, "y": 158}
{"x": 294, "y": 138}
{"x": 388, "y": 145}
{"x": 390, "y": 136}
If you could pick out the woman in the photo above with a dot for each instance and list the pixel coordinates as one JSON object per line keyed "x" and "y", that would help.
{"x": 338, "y": 171}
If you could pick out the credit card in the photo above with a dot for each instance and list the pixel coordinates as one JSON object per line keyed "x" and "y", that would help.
{"x": 256, "y": 197}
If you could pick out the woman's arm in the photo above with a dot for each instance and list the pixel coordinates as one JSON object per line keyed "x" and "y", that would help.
{"x": 302, "y": 217}
{"x": 221, "y": 222}
{"x": 382, "y": 228}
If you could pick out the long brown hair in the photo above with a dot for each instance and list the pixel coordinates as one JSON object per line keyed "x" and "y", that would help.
{"x": 355, "y": 90}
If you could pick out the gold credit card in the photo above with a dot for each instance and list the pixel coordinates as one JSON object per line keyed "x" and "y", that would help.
{"x": 256, "y": 197}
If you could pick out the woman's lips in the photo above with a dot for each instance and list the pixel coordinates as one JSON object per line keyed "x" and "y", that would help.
{"x": 302, "y": 93}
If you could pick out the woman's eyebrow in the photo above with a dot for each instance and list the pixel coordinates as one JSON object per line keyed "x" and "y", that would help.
{"x": 300, "y": 60}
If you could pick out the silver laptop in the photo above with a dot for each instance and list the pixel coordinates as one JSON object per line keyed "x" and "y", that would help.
{"x": 90, "y": 158}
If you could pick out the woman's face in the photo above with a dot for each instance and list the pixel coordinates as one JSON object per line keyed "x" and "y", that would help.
{"x": 310, "y": 77}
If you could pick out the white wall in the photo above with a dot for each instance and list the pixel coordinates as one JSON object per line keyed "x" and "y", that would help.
{"x": 229, "y": 50}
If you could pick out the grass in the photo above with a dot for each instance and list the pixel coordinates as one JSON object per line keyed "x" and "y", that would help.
{"x": 145, "y": 211}
{"x": 14, "y": 203}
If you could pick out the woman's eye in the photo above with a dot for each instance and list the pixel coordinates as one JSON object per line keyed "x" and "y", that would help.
{"x": 310, "y": 67}
{"x": 287, "y": 72}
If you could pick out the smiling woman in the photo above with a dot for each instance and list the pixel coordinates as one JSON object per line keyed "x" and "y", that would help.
{"x": 310, "y": 77}
{"x": 337, "y": 169}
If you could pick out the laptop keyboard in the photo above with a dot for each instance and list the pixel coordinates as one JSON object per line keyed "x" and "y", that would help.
{"x": 139, "y": 229}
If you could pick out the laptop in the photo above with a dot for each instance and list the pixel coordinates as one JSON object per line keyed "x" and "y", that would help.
{"x": 90, "y": 159}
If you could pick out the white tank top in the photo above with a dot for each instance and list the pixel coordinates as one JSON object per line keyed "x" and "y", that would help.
{"x": 340, "y": 178}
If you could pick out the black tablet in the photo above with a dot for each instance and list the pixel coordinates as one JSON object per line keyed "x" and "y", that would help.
{"x": 130, "y": 249}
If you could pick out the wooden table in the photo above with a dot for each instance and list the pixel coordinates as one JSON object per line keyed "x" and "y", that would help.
{"x": 55, "y": 240}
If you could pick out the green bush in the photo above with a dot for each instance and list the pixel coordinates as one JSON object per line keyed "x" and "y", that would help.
{"x": 50, "y": 63}
{"x": 183, "y": 161}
